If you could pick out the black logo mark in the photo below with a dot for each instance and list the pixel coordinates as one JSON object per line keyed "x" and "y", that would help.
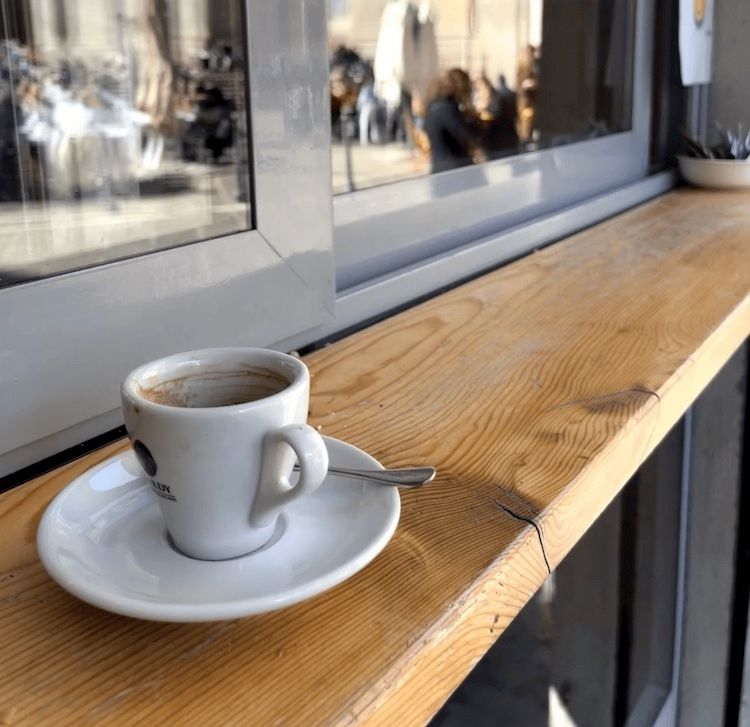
{"x": 159, "y": 488}
{"x": 144, "y": 457}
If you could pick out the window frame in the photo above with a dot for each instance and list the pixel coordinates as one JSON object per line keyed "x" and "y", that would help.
{"x": 292, "y": 272}
{"x": 71, "y": 338}
{"x": 435, "y": 214}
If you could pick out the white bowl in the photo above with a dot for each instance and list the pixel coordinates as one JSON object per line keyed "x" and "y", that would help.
{"x": 716, "y": 173}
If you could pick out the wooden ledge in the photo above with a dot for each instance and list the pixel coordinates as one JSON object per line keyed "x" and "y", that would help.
{"x": 537, "y": 390}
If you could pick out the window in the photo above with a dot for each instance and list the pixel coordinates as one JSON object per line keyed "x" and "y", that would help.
{"x": 124, "y": 131}
{"x": 455, "y": 119}
{"x": 165, "y": 187}
{"x": 420, "y": 88}
{"x": 169, "y": 166}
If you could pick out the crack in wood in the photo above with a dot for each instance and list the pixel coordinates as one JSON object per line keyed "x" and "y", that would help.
{"x": 531, "y": 522}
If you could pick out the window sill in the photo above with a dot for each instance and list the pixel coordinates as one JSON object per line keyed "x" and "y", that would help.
{"x": 537, "y": 390}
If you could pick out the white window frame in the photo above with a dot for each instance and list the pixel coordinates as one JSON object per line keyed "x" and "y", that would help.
{"x": 70, "y": 339}
{"x": 275, "y": 285}
{"x": 402, "y": 242}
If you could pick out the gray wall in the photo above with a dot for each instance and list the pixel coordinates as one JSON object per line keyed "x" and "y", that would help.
{"x": 730, "y": 92}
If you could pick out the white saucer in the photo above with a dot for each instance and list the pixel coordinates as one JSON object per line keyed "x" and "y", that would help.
{"x": 103, "y": 539}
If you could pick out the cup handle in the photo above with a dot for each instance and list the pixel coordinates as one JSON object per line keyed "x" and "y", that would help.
{"x": 274, "y": 491}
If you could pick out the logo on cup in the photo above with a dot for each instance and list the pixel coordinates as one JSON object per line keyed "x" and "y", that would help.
{"x": 162, "y": 490}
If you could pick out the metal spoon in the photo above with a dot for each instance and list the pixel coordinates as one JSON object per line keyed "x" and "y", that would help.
{"x": 407, "y": 477}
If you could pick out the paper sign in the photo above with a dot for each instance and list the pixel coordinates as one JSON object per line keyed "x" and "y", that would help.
{"x": 696, "y": 38}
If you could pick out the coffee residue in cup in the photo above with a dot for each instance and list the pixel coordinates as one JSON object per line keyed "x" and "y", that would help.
{"x": 162, "y": 394}
{"x": 216, "y": 389}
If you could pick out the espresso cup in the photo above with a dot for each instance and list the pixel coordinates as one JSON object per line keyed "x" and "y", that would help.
{"x": 217, "y": 432}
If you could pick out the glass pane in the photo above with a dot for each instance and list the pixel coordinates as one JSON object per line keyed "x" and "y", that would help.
{"x": 122, "y": 129}
{"x": 426, "y": 87}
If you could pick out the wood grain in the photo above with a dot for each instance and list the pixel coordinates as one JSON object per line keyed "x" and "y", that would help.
{"x": 536, "y": 390}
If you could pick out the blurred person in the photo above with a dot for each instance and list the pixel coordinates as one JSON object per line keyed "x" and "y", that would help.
{"x": 406, "y": 62}
{"x": 371, "y": 114}
{"x": 211, "y": 132}
{"x": 155, "y": 73}
{"x": 348, "y": 73}
{"x": 484, "y": 97}
{"x": 528, "y": 85}
{"x": 496, "y": 112}
{"x": 503, "y": 89}
{"x": 448, "y": 123}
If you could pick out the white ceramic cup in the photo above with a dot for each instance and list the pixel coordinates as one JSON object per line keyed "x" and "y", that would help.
{"x": 216, "y": 432}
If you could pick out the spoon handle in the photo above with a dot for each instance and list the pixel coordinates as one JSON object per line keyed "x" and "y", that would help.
{"x": 408, "y": 477}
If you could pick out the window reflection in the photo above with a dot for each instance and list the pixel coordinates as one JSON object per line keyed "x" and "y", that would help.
{"x": 426, "y": 87}
{"x": 122, "y": 129}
